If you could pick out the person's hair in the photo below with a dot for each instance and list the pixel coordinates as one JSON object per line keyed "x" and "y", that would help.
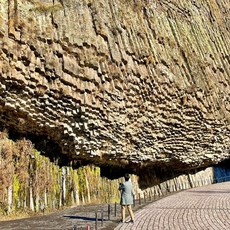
{"x": 127, "y": 177}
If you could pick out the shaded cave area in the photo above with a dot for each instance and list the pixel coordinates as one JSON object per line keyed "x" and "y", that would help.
{"x": 51, "y": 149}
{"x": 149, "y": 175}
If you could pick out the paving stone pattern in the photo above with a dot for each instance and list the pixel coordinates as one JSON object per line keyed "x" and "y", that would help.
{"x": 204, "y": 208}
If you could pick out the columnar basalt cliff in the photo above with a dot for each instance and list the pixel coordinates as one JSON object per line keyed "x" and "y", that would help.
{"x": 134, "y": 84}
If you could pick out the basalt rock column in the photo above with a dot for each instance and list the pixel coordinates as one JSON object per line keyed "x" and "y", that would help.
{"x": 119, "y": 82}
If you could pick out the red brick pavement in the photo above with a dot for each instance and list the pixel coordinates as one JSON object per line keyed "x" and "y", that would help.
{"x": 203, "y": 208}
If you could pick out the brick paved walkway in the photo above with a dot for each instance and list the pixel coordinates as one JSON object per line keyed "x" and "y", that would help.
{"x": 203, "y": 208}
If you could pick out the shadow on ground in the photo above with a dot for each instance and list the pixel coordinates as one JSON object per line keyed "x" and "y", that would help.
{"x": 82, "y": 218}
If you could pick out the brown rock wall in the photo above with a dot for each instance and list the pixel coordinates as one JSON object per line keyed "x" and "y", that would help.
{"x": 120, "y": 82}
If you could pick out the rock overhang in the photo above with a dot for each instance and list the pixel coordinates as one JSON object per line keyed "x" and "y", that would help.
{"x": 126, "y": 95}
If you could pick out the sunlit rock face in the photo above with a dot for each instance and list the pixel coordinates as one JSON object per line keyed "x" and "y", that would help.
{"x": 131, "y": 84}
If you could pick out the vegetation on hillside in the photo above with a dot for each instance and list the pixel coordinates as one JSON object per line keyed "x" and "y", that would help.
{"x": 30, "y": 182}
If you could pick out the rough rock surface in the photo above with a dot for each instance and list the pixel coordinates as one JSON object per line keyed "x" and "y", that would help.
{"x": 132, "y": 83}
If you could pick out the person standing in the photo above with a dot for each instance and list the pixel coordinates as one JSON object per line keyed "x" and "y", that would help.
{"x": 126, "y": 198}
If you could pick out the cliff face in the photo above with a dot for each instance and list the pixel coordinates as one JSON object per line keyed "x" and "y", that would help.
{"x": 122, "y": 83}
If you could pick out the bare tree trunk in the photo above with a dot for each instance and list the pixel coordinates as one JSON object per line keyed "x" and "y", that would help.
{"x": 60, "y": 199}
{"x": 87, "y": 189}
{"x": 45, "y": 199}
{"x": 63, "y": 186}
{"x": 9, "y": 199}
{"x": 31, "y": 199}
{"x": 25, "y": 200}
{"x": 83, "y": 198}
{"x": 72, "y": 197}
{"x": 77, "y": 198}
{"x": 37, "y": 202}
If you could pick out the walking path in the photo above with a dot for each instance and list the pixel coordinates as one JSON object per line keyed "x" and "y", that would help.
{"x": 203, "y": 208}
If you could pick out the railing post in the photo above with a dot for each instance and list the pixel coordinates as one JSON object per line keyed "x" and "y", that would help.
{"x": 102, "y": 217}
{"x": 109, "y": 211}
{"x": 96, "y": 220}
{"x": 115, "y": 209}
